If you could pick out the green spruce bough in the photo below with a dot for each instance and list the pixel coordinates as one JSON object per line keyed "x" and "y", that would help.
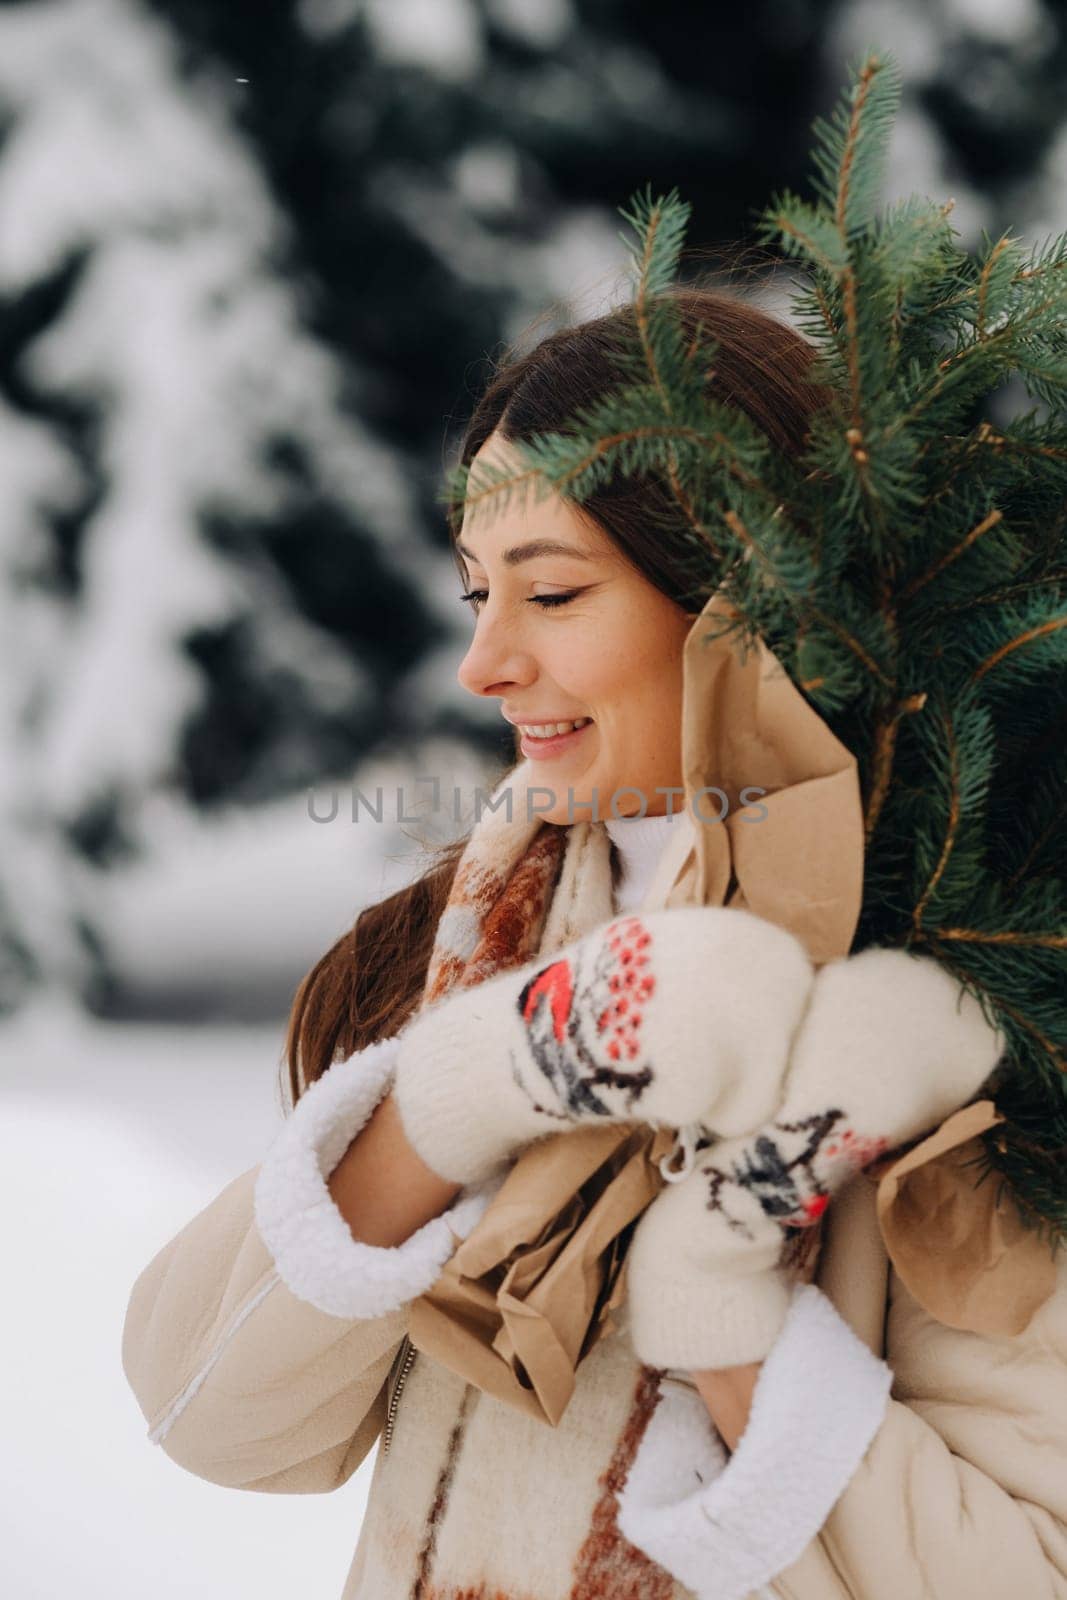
{"x": 910, "y": 573}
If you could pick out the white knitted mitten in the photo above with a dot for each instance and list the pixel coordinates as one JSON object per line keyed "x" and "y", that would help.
{"x": 661, "y": 1018}
{"x": 890, "y": 1046}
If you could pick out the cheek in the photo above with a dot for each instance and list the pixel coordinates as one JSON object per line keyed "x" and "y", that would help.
{"x": 645, "y": 666}
{"x": 592, "y": 674}
{"x": 612, "y": 681}
{"x": 626, "y": 660}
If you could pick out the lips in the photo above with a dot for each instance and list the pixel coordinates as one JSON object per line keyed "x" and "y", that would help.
{"x": 555, "y": 745}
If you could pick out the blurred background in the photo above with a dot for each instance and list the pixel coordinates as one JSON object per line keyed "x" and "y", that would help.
{"x": 255, "y": 260}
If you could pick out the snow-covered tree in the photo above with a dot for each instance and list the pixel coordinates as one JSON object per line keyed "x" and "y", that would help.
{"x": 162, "y": 393}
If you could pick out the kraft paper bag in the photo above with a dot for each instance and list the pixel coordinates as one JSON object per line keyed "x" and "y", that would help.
{"x": 960, "y": 1247}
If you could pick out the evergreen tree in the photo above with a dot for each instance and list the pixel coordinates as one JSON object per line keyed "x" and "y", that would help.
{"x": 207, "y": 591}
{"x": 910, "y": 572}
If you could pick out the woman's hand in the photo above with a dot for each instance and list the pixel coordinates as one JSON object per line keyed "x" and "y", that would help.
{"x": 662, "y": 1018}
{"x": 889, "y": 1046}
{"x": 727, "y": 1392}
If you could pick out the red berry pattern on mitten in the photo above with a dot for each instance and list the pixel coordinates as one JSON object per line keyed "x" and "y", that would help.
{"x": 669, "y": 1018}
{"x": 581, "y": 1025}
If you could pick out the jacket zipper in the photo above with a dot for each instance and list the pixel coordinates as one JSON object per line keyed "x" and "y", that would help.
{"x": 405, "y": 1368}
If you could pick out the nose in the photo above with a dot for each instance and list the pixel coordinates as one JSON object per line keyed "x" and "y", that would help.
{"x": 496, "y": 660}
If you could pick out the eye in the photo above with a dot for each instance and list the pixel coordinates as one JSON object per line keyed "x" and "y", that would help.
{"x": 476, "y": 598}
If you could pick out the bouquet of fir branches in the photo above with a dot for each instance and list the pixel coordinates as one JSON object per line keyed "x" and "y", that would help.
{"x": 908, "y": 570}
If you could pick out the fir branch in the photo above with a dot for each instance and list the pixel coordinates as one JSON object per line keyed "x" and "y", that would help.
{"x": 601, "y": 447}
{"x": 1044, "y": 582}
{"x": 660, "y": 226}
{"x": 920, "y": 582}
{"x": 988, "y": 269}
{"x": 848, "y": 278}
{"x": 497, "y": 485}
{"x": 851, "y": 642}
{"x": 911, "y": 561}
{"x": 849, "y": 157}
{"x": 1022, "y": 639}
{"x": 906, "y": 420}
{"x": 937, "y": 936}
{"x": 850, "y": 150}
{"x": 649, "y": 269}
{"x": 1054, "y": 1154}
{"x": 804, "y": 231}
{"x": 1039, "y": 842}
{"x": 1052, "y": 258}
{"x": 753, "y": 546}
{"x": 1006, "y": 446}
{"x": 1006, "y": 338}
{"x": 689, "y": 511}
{"x": 1041, "y": 941}
{"x": 1049, "y": 1229}
{"x": 884, "y": 749}
{"x": 952, "y": 826}
{"x": 824, "y": 311}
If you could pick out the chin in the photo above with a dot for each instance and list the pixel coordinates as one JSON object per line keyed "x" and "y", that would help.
{"x": 581, "y": 809}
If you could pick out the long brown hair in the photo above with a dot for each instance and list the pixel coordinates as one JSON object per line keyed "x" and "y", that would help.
{"x": 370, "y": 982}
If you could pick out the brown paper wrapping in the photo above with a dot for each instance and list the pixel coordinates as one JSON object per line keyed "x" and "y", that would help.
{"x": 796, "y": 851}
{"x": 961, "y": 1252}
{"x": 531, "y": 1290}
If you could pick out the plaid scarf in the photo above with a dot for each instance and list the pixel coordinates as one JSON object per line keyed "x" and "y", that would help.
{"x": 523, "y": 887}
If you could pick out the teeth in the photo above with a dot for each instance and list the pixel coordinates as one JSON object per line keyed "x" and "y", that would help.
{"x": 546, "y": 730}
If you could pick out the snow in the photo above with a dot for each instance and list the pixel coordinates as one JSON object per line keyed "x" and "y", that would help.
{"x": 186, "y": 335}
{"x": 583, "y": 261}
{"x": 111, "y": 1139}
{"x": 579, "y": 259}
{"x": 486, "y": 176}
{"x": 223, "y": 916}
{"x": 445, "y": 36}
{"x": 37, "y": 476}
{"x": 999, "y": 21}
{"x": 1049, "y": 195}
{"x": 186, "y": 338}
{"x": 540, "y": 24}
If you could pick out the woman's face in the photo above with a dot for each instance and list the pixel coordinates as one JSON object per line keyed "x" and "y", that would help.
{"x": 569, "y": 635}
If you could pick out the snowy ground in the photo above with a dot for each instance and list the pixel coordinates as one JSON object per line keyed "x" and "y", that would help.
{"x": 112, "y": 1137}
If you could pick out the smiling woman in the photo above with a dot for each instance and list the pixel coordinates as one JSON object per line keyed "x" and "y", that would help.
{"x": 269, "y": 1342}
{"x": 558, "y": 637}
{"x": 737, "y": 1381}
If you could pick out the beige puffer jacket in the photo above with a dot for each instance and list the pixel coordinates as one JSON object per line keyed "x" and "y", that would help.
{"x": 962, "y": 1491}
{"x": 939, "y": 1452}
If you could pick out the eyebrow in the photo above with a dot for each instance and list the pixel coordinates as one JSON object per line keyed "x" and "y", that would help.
{"x": 519, "y": 553}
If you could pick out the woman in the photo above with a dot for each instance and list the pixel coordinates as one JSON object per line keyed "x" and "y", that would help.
{"x": 262, "y": 1343}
